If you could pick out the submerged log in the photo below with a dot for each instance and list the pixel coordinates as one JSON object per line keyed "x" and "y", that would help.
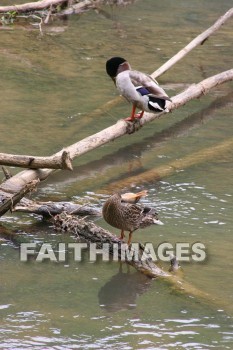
{"x": 80, "y": 7}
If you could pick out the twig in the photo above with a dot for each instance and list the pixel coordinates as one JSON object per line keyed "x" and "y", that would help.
{"x": 6, "y": 173}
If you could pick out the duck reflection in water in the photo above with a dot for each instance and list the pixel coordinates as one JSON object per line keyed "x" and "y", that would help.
{"x": 122, "y": 290}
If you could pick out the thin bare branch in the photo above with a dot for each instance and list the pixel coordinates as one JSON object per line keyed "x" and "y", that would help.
{"x": 199, "y": 40}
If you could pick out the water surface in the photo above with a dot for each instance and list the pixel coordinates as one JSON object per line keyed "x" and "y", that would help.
{"x": 50, "y": 85}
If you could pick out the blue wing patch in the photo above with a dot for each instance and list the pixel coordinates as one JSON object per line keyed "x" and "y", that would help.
{"x": 142, "y": 90}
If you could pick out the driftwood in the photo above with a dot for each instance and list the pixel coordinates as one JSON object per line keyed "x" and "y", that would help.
{"x": 48, "y": 209}
{"x": 199, "y": 40}
{"x": 62, "y": 161}
{"x": 12, "y": 190}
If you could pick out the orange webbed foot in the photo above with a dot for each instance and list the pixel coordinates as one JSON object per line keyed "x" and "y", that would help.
{"x": 132, "y": 118}
{"x": 129, "y": 119}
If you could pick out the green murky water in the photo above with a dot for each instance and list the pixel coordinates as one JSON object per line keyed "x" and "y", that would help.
{"x": 50, "y": 86}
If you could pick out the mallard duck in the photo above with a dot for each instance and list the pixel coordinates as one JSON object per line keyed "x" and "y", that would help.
{"x": 124, "y": 215}
{"x": 138, "y": 88}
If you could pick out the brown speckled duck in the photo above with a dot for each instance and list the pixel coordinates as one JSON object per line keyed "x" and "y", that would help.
{"x": 120, "y": 211}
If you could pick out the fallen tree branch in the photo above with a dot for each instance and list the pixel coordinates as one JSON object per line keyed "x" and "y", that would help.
{"x": 31, "y": 6}
{"x": 192, "y": 92}
{"x": 12, "y": 190}
{"x": 48, "y": 209}
{"x": 199, "y": 40}
{"x": 62, "y": 161}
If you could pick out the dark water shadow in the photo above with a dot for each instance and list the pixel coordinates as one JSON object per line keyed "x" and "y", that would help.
{"x": 122, "y": 290}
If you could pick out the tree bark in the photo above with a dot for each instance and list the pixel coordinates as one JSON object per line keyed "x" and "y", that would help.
{"x": 48, "y": 209}
{"x": 12, "y": 190}
{"x": 31, "y": 6}
{"x": 62, "y": 161}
